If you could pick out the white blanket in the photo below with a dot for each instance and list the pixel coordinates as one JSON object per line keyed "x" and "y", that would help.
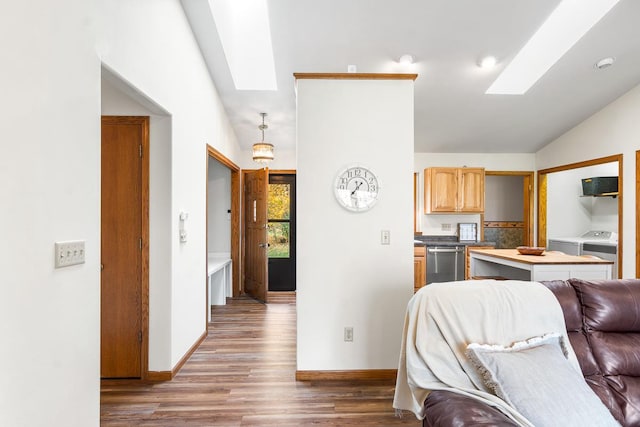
{"x": 443, "y": 318}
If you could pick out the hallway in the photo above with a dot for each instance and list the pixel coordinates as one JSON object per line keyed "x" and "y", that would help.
{"x": 243, "y": 374}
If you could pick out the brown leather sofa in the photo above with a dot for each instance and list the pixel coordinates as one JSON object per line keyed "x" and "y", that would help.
{"x": 603, "y": 324}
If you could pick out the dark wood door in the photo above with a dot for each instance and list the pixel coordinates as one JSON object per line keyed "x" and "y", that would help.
{"x": 255, "y": 227}
{"x": 122, "y": 212}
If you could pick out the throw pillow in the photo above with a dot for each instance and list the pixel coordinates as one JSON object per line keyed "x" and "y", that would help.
{"x": 535, "y": 378}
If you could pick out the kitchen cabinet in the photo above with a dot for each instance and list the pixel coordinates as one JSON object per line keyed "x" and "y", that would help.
{"x": 419, "y": 267}
{"x": 453, "y": 190}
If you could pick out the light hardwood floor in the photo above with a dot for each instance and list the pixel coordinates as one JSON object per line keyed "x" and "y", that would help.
{"x": 243, "y": 374}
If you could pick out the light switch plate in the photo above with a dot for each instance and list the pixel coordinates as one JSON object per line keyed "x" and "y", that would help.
{"x": 69, "y": 253}
{"x": 348, "y": 334}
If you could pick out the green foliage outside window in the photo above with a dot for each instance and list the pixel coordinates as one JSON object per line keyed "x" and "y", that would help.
{"x": 278, "y": 201}
{"x": 278, "y": 208}
{"x": 278, "y": 234}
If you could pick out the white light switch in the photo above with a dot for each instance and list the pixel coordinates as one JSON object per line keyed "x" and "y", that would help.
{"x": 184, "y": 216}
{"x": 385, "y": 237}
{"x": 348, "y": 334}
{"x": 69, "y": 253}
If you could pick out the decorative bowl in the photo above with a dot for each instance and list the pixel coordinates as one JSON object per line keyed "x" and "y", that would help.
{"x": 530, "y": 250}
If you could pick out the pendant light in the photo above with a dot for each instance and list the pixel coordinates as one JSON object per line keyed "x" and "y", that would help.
{"x": 262, "y": 151}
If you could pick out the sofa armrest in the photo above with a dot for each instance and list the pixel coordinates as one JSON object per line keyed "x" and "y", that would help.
{"x": 445, "y": 408}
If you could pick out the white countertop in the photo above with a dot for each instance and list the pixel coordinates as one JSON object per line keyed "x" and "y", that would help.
{"x": 217, "y": 261}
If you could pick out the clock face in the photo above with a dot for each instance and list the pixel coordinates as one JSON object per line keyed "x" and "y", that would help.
{"x": 357, "y": 188}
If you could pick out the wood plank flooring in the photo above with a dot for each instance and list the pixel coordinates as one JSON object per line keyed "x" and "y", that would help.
{"x": 243, "y": 374}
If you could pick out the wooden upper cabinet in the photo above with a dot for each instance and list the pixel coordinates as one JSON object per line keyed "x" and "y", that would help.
{"x": 448, "y": 190}
{"x": 441, "y": 190}
{"x": 471, "y": 190}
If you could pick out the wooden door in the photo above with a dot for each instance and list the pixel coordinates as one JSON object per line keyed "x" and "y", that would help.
{"x": 471, "y": 190}
{"x": 255, "y": 225}
{"x": 527, "y": 212}
{"x": 441, "y": 190}
{"x": 123, "y": 224}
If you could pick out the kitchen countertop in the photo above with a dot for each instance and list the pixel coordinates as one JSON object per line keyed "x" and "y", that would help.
{"x": 447, "y": 241}
{"x": 509, "y": 264}
{"x": 546, "y": 258}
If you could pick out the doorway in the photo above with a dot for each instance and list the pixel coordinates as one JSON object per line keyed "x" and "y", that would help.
{"x": 547, "y": 227}
{"x": 508, "y": 216}
{"x": 124, "y": 278}
{"x": 281, "y": 232}
{"x": 230, "y": 214}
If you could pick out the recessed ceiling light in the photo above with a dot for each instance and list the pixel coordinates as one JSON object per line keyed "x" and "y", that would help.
{"x": 605, "y": 62}
{"x": 245, "y": 34}
{"x": 488, "y": 62}
{"x": 406, "y": 59}
{"x": 570, "y": 20}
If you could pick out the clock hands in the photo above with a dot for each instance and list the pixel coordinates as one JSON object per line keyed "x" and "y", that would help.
{"x": 351, "y": 191}
{"x": 358, "y": 184}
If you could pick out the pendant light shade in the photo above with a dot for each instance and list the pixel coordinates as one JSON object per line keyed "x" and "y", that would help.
{"x": 262, "y": 151}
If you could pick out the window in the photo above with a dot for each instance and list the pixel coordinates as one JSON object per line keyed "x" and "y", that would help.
{"x": 279, "y": 220}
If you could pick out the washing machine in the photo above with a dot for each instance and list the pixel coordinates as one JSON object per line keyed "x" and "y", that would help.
{"x": 603, "y": 244}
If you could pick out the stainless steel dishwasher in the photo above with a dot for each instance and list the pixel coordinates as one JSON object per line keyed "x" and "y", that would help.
{"x": 445, "y": 263}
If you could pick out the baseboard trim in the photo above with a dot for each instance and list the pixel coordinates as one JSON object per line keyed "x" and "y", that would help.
{"x": 281, "y": 297}
{"x": 352, "y": 375}
{"x": 157, "y": 376}
{"x": 188, "y": 354}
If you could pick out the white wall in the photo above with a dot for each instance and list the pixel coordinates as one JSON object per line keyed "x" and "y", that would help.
{"x": 504, "y": 198}
{"x": 119, "y": 99}
{"x": 432, "y": 224}
{"x": 569, "y": 214}
{"x": 51, "y": 107}
{"x": 153, "y": 49}
{"x": 613, "y": 130}
{"x": 50, "y": 127}
{"x": 345, "y": 277}
{"x": 219, "y": 202}
{"x": 604, "y": 214}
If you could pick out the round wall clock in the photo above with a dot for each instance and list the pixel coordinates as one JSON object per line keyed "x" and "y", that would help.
{"x": 357, "y": 188}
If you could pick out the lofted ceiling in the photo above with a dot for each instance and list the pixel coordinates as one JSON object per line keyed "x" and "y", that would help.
{"x": 447, "y": 38}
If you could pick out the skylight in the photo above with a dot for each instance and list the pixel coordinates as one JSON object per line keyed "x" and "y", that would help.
{"x": 564, "y": 27}
{"x": 243, "y": 27}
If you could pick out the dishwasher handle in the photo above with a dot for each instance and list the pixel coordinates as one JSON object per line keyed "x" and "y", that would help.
{"x": 445, "y": 250}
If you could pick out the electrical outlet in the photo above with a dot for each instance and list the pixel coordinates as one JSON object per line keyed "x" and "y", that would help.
{"x": 385, "y": 237}
{"x": 348, "y": 333}
{"x": 69, "y": 253}
{"x": 446, "y": 227}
